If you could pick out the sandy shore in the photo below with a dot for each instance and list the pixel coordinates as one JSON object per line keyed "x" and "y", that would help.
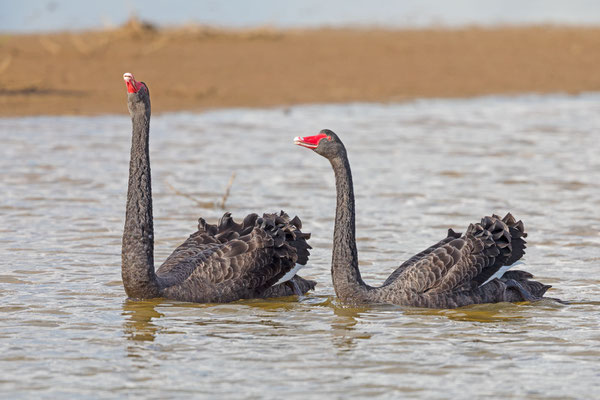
{"x": 197, "y": 68}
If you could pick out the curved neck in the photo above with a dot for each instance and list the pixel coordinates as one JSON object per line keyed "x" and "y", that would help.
{"x": 347, "y": 282}
{"x": 137, "y": 253}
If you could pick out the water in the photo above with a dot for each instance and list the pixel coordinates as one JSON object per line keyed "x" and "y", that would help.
{"x": 67, "y": 331}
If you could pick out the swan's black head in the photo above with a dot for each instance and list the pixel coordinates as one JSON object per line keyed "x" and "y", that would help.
{"x": 138, "y": 95}
{"x": 326, "y": 143}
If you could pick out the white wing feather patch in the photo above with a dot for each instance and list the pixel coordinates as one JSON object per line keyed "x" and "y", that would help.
{"x": 501, "y": 272}
{"x": 290, "y": 274}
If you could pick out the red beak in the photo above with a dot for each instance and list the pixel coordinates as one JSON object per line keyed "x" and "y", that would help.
{"x": 133, "y": 86}
{"x": 310, "y": 142}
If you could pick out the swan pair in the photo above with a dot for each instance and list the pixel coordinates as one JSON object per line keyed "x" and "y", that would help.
{"x": 260, "y": 257}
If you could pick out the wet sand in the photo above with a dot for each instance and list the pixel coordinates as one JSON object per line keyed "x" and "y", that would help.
{"x": 197, "y": 68}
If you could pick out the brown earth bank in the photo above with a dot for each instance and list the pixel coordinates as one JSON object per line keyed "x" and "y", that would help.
{"x": 196, "y": 68}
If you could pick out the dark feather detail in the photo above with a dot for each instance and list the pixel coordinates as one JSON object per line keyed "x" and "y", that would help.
{"x": 287, "y": 288}
{"x": 411, "y": 261}
{"x": 505, "y": 239}
{"x": 449, "y": 273}
{"x": 229, "y": 261}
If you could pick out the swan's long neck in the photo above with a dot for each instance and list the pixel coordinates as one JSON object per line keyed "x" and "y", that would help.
{"x": 137, "y": 254}
{"x": 347, "y": 282}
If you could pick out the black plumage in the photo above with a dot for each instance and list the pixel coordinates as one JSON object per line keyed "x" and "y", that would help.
{"x": 451, "y": 273}
{"x": 218, "y": 263}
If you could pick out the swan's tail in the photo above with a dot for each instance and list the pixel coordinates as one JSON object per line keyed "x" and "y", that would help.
{"x": 536, "y": 288}
{"x": 284, "y": 231}
{"x": 503, "y": 242}
{"x": 287, "y": 232}
{"x": 504, "y": 245}
{"x": 289, "y": 243}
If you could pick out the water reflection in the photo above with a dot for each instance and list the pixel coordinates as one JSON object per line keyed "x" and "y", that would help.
{"x": 138, "y": 315}
{"x": 344, "y": 332}
{"x": 476, "y": 313}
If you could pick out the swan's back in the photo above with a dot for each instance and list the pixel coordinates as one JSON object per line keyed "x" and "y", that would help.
{"x": 230, "y": 261}
{"x": 462, "y": 269}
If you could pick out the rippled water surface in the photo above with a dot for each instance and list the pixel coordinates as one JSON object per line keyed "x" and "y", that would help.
{"x": 67, "y": 331}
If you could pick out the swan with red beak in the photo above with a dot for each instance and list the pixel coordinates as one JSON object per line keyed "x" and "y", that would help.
{"x": 459, "y": 270}
{"x": 133, "y": 86}
{"x": 311, "y": 142}
{"x": 256, "y": 258}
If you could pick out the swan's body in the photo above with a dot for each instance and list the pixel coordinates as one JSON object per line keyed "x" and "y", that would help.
{"x": 457, "y": 271}
{"x": 218, "y": 263}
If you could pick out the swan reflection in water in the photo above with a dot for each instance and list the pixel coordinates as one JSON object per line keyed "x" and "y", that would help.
{"x": 140, "y": 316}
{"x": 349, "y": 326}
{"x": 254, "y": 317}
{"x": 138, "y": 319}
{"x": 344, "y": 332}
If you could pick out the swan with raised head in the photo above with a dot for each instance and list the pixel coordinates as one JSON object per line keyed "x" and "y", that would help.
{"x": 460, "y": 270}
{"x": 256, "y": 258}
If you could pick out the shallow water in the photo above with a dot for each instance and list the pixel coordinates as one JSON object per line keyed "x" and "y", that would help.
{"x": 67, "y": 331}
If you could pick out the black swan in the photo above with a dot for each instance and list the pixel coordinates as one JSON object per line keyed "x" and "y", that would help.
{"x": 455, "y": 272}
{"x": 257, "y": 258}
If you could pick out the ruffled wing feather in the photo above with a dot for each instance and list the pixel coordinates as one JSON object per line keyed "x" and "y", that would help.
{"x": 457, "y": 264}
{"x": 228, "y": 261}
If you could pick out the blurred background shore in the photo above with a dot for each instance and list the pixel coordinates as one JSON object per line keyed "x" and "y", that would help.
{"x": 196, "y": 67}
